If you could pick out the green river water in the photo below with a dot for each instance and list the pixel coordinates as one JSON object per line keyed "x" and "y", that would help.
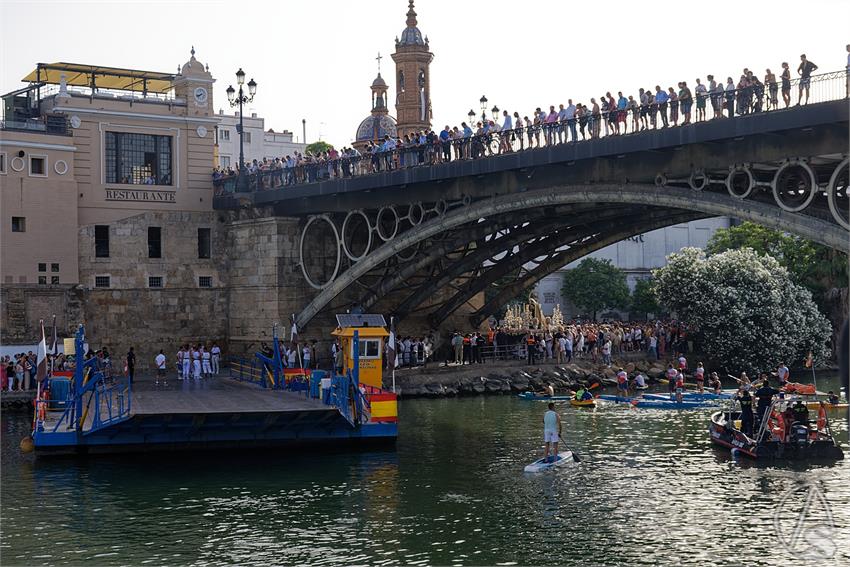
{"x": 650, "y": 490}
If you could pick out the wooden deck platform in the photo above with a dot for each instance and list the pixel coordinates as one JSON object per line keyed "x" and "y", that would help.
{"x": 215, "y": 395}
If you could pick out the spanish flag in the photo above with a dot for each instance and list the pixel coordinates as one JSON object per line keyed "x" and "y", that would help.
{"x": 809, "y": 360}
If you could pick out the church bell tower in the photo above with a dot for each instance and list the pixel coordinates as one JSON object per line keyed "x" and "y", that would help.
{"x": 413, "y": 78}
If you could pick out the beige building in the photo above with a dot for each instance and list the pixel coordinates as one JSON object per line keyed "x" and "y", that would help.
{"x": 88, "y": 147}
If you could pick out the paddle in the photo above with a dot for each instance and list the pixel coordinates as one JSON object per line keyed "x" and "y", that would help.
{"x": 576, "y": 458}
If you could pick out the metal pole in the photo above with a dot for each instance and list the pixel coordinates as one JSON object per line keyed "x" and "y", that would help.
{"x": 241, "y": 143}
{"x": 814, "y": 378}
{"x": 304, "y": 129}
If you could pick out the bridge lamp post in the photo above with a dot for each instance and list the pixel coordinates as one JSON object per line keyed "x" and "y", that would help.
{"x": 238, "y": 99}
{"x": 495, "y": 111}
{"x": 483, "y": 102}
{"x": 471, "y": 118}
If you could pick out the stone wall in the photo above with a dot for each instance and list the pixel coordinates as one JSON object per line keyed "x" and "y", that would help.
{"x": 23, "y": 305}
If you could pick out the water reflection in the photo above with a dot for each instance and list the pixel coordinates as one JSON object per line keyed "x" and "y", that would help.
{"x": 649, "y": 490}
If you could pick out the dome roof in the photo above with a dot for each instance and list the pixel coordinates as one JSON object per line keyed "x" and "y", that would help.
{"x": 411, "y": 36}
{"x": 379, "y": 81}
{"x": 375, "y": 128}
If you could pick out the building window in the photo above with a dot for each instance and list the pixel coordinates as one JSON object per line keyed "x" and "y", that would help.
{"x": 225, "y": 161}
{"x": 38, "y": 166}
{"x": 2, "y": 162}
{"x": 19, "y": 224}
{"x": 54, "y": 280}
{"x": 204, "y": 281}
{"x": 101, "y": 241}
{"x": 54, "y": 267}
{"x": 42, "y": 267}
{"x": 8, "y": 279}
{"x": 140, "y": 159}
{"x": 204, "y": 246}
{"x": 154, "y": 242}
{"x": 101, "y": 281}
{"x": 247, "y": 137}
{"x": 369, "y": 348}
{"x": 224, "y": 135}
{"x": 42, "y": 280}
{"x": 154, "y": 281}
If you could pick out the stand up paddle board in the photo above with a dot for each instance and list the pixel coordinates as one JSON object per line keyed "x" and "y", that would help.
{"x": 563, "y": 458}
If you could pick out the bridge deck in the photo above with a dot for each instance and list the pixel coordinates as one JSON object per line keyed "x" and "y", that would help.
{"x": 216, "y": 395}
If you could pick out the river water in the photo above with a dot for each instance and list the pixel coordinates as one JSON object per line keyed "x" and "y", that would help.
{"x": 649, "y": 490}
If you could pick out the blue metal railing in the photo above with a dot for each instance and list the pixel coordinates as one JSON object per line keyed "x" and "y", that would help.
{"x": 112, "y": 403}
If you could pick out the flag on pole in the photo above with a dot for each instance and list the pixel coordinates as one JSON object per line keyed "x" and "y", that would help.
{"x": 54, "y": 348}
{"x": 392, "y": 358}
{"x": 294, "y": 331}
{"x": 41, "y": 365}
{"x": 809, "y": 360}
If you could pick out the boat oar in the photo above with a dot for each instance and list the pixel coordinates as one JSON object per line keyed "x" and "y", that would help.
{"x": 575, "y": 455}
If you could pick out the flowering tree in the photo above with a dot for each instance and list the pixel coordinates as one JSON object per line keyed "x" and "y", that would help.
{"x": 744, "y": 307}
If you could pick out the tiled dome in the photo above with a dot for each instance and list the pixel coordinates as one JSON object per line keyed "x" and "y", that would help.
{"x": 375, "y": 128}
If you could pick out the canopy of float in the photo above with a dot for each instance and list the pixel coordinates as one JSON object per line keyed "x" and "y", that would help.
{"x": 102, "y": 77}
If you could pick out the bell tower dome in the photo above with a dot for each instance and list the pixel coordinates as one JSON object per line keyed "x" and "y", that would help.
{"x": 413, "y": 78}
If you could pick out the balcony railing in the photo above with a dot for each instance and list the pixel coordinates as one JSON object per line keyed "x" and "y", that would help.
{"x": 636, "y": 119}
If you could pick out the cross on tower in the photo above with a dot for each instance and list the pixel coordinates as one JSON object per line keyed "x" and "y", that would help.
{"x": 378, "y": 59}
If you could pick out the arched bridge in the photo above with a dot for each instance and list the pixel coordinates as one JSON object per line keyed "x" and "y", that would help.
{"x": 429, "y": 240}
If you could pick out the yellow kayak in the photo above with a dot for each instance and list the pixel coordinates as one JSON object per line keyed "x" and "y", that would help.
{"x": 838, "y": 406}
{"x": 583, "y": 403}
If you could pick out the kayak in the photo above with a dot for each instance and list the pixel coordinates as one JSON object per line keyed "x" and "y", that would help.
{"x": 583, "y": 403}
{"x": 690, "y": 396}
{"x": 542, "y": 398}
{"x": 827, "y": 405}
{"x": 656, "y": 403}
{"x": 563, "y": 458}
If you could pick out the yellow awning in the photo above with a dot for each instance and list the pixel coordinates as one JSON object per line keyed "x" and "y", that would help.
{"x": 104, "y": 77}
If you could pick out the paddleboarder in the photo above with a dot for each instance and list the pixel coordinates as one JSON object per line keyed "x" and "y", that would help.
{"x": 551, "y": 432}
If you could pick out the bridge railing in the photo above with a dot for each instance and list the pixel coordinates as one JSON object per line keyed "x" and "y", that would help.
{"x": 586, "y": 124}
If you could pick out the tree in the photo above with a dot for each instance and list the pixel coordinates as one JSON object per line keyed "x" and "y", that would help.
{"x": 596, "y": 285}
{"x": 317, "y": 148}
{"x": 643, "y": 298}
{"x": 814, "y": 266}
{"x": 743, "y": 307}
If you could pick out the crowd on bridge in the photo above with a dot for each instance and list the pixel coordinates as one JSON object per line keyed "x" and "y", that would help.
{"x": 650, "y": 109}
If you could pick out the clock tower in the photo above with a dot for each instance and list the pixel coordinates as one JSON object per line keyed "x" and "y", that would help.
{"x": 413, "y": 78}
{"x": 194, "y": 85}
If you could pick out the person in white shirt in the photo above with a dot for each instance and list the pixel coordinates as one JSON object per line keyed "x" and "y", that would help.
{"x": 180, "y": 363}
{"x": 305, "y": 356}
{"x": 570, "y": 115}
{"x": 187, "y": 362}
{"x": 196, "y": 363}
{"x": 160, "y": 368}
{"x": 206, "y": 366}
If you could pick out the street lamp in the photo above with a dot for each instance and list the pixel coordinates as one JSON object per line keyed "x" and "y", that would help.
{"x": 495, "y": 112}
{"x": 238, "y": 99}
{"x": 483, "y": 102}
{"x": 471, "y": 117}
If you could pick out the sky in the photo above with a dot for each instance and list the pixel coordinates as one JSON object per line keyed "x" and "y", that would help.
{"x": 316, "y": 60}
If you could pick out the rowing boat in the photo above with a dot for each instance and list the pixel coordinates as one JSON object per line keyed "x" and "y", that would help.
{"x": 541, "y": 398}
{"x": 583, "y": 403}
{"x": 540, "y": 465}
{"x": 816, "y": 404}
{"x": 690, "y": 396}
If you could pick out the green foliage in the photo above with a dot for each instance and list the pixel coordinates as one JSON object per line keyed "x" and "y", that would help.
{"x": 319, "y": 147}
{"x": 744, "y": 308}
{"x": 596, "y": 285}
{"x": 643, "y": 298}
{"x": 811, "y": 265}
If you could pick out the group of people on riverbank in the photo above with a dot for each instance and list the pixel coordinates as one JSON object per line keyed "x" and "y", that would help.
{"x": 652, "y": 108}
{"x": 193, "y": 361}
{"x": 17, "y": 372}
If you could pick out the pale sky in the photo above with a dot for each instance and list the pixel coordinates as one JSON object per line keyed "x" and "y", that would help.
{"x": 316, "y": 60}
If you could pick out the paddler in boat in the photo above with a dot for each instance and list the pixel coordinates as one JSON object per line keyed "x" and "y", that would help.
{"x": 699, "y": 376}
{"x": 831, "y": 398}
{"x": 782, "y": 373}
{"x": 670, "y": 374}
{"x": 622, "y": 383}
{"x": 549, "y": 390}
{"x": 639, "y": 382}
{"x": 714, "y": 382}
{"x": 551, "y": 432}
{"x": 746, "y": 400}
{"x": 743, "y": 382}
{"x": 680, "y": 387}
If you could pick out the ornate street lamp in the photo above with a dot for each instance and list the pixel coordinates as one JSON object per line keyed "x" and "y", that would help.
{"x": 483, "y": 102}
{"x": 471, "y": 117}
{"x": 237, "y": 100}
{"x": 495, "y": 112}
